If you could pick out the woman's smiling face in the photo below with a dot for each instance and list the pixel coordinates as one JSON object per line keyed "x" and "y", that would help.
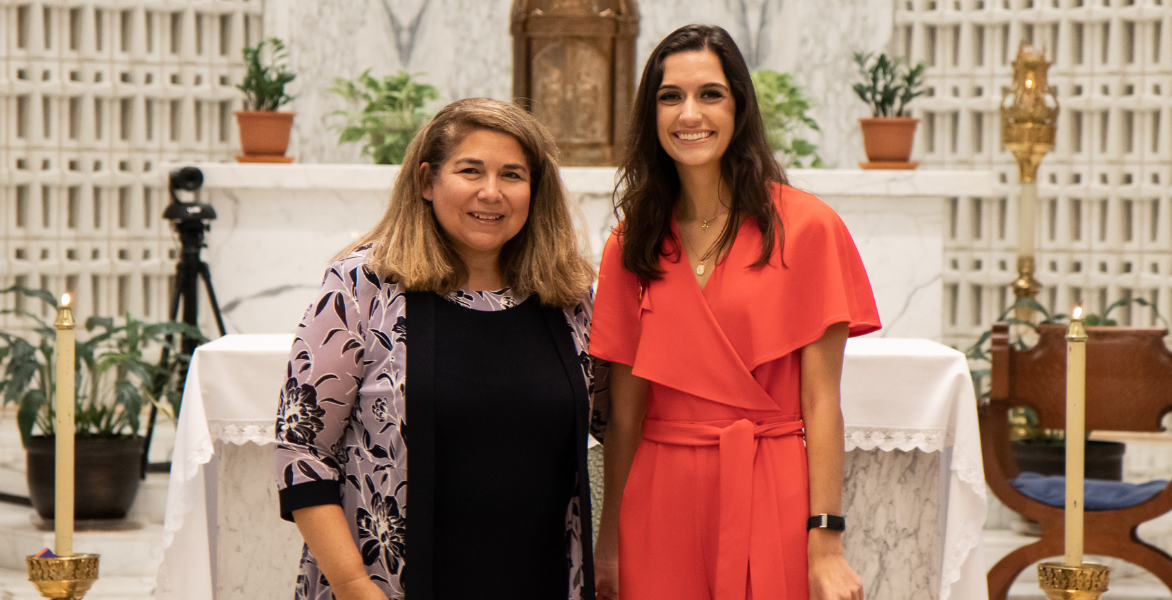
{"x": 480, "y": 194}
{"x": 695, "y": 109}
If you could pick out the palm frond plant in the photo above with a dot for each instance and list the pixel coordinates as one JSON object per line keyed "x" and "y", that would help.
{"x": 784, "y": 106}
{"x": 117, "y": 371}
{"x": 384, "y": 113}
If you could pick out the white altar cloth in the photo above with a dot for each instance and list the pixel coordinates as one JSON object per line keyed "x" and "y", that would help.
{"x": 897, "y": 394}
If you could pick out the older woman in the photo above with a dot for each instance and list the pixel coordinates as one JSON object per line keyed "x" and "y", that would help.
{"x": 475, "y": 267}
{"x": 724, "y": 302}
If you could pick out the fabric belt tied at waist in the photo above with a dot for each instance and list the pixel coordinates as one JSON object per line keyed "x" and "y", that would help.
{"x": 737, "y": 441}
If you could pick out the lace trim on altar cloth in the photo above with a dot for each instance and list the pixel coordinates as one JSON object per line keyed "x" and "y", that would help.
{"x": 243, "y": 432}
{"x": 896, "y": 438}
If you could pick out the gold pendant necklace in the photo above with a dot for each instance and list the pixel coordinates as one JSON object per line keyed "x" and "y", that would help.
{"x": 700, "y": 268}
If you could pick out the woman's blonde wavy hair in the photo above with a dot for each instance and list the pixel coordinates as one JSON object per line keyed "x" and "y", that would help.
{"x": 409, "y": 246}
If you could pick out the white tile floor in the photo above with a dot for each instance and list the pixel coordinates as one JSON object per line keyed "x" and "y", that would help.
{"x": 123, "y": 584}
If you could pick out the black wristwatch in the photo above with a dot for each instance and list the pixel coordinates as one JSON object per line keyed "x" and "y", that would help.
{"x": 824, "y": 521}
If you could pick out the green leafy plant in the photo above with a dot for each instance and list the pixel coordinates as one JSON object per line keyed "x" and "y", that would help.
{"x": 783, "y": 105}
{"x": 265, "y": 76}
{"x": 1025, "y": 421}
{"x": 889, "y": 84}
{"x": 116, "y": 372}
{"x": 384, "y": 113}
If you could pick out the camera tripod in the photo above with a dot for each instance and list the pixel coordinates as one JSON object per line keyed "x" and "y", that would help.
{"x": 190, "y": 220}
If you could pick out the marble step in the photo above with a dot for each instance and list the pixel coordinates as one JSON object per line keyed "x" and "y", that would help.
{"x": 1127, "y": 580}
{"x": 150, "y": 503}
{"x": 13, "y": 482}
{"x": 130, "y": 554}
{"x": 14, "y": 585}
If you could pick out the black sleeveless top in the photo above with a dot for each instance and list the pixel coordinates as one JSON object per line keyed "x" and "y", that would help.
{"x": 504, "y": 455}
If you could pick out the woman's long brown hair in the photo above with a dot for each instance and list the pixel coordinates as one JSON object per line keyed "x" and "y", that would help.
{"x": 649, "y": 182}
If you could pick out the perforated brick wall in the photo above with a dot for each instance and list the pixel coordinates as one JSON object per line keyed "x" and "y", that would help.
{"x": 94, "y": 95}
{"x": 1105, "y": 193}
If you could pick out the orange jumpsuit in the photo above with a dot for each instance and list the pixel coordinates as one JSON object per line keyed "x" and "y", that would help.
{"x": 716, "y": 503}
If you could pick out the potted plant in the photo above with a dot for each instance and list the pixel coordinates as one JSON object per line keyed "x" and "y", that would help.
{"x": 384, "y": 113}
{"x": 783, "y": 106}
{"x": 888, "y": 85}
{"x": 264, "y": 132}
{"x": 116, "y": 379}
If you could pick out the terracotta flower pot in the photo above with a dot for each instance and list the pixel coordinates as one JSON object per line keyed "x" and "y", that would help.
{"x": 888, "y": 142}
{"x": 264, "y": 135}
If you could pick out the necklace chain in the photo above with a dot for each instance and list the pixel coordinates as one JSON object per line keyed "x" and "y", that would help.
{"x": 704, "y": 222}
{"x": 700, "y": 268}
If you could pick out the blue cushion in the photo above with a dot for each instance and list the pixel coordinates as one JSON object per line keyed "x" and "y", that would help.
{"x": 1098, "y": 494}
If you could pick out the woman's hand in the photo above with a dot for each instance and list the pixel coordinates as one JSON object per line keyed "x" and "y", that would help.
{"x": 606, "y": 569}
{"x": 831, "y": 578}
{"x": 361, "y": 588}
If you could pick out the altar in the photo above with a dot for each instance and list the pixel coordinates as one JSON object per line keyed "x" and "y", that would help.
{"x": 914, "y": 493}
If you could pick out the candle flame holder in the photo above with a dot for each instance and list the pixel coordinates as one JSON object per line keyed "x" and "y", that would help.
{"x": 1029, "y": 124}
{"x": 63, "y": 577}
{"x": 1087, "y": 581}
{"x": 1029, "y": 112}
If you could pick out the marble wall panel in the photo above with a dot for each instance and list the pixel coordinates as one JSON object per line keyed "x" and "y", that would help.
{"x": 464, "y": 48}
{"x": 901, "y": 490}
{"x": 901, "y": 242}
{"x": 257, "y": 554}
{"x": 269, "y": 248}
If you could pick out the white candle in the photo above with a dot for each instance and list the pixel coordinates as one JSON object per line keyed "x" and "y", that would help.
{"x": 63, "y": 501}
{"x": 1076, "y": 367}
{"x": 1027, "y": 212}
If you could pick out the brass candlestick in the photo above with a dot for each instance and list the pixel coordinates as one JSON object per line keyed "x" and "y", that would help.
{"x": 63, "y": 577}
{"x": 1085, "y": 582}
{"x": 1029, "y": 113}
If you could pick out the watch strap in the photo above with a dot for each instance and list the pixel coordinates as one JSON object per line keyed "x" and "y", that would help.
{"x": 825, "y": 521}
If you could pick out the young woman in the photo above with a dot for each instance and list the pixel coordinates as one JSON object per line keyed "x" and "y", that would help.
{"x": 724, "y": 302}
{"x": 475, "y": 267}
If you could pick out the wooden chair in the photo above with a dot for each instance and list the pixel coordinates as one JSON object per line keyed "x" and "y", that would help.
{"x": 1129, "y": 388}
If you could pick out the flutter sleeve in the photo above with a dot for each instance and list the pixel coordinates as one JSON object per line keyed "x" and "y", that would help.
{"x": 324, "y": 375}
{"x": 614, "y": 335}
{"x": 824, "y": 279}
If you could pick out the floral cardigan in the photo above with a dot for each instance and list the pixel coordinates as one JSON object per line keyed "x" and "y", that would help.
{"x": 341, "y": 420}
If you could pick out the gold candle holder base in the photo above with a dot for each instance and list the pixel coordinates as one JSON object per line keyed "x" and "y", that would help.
{"x": 63, "y": 577}
{"x": 1085, "y": 582}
